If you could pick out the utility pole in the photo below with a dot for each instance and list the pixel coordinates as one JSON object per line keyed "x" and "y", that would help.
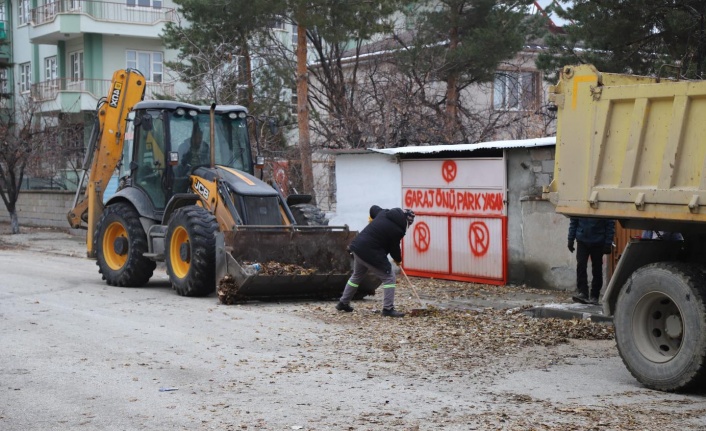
{"x": 303, "y": 108}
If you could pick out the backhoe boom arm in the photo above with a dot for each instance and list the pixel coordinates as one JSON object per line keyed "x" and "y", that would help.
{"x": 105, "y": 149}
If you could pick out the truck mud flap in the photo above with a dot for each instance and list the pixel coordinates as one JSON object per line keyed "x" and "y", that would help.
{"x": 295, "y": 262}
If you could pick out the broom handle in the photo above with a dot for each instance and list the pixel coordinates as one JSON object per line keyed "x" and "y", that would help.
{"x": 411, "y": 285}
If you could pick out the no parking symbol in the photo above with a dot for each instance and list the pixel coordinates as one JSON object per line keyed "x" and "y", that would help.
{"x": 421, "y": 237}
{"x": 479, "y": 238}
{"x": 448, "y": 170}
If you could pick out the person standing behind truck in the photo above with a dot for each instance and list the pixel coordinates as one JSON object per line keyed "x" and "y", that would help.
{"x": 595, "y": 238}
{"x": 370, "y": 248}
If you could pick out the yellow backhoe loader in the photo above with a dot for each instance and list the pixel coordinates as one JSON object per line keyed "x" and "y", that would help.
{"x": 188, "y": 196}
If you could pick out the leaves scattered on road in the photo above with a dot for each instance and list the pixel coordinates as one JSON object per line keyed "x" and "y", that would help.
{"x": 454, "y": 339}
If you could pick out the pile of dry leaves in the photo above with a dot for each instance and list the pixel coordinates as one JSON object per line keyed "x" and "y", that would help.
{"x": 443, "y": 338}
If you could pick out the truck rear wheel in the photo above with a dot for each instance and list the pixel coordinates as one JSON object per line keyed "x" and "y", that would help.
{"x": 191, "y": 251}
{"x": 660, "y": 326}
{"x": 120, "y": 243}
{"x": 308, "y": 215}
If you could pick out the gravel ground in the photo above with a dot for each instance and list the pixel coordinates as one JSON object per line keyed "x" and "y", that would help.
{"x": 480, "y": 335}
{"x": 484, "y": 346}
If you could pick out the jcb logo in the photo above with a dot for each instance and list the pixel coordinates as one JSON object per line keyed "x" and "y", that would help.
{"x": 201, "y": 189}
{"x": 115, "y": 95}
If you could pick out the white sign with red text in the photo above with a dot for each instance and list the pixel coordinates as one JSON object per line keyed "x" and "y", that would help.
{"x": 460, "y": 229}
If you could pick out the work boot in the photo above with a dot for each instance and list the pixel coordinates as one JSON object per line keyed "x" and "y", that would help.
{"x": 344, "y": 307}
{"x": 581, "y": 298}
{"x": 594, "y": 300}
{"x": 391, "y": 312}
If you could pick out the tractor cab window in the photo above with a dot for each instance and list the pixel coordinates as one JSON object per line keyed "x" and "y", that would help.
{"x": 150, "y": 156}
{"x": 124, "y": 167}
{"x": 191, "y": 138}
{"x": 232, "y": 143}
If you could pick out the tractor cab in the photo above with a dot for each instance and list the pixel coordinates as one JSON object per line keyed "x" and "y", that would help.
{"x": 167, "y": 141}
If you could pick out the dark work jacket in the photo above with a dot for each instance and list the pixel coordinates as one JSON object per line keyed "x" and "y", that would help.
{"x": 381, "y": 237}
{"x": 591, "y": 230}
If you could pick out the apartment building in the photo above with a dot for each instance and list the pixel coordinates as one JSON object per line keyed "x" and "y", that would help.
{"x": 61, "y": 54}
{"x": 65, "y": 51}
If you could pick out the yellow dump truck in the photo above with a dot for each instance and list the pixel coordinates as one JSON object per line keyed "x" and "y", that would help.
{"x": 633, "y": 148}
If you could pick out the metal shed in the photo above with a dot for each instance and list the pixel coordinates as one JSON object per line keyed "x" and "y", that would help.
{"x": 461, "y": 202}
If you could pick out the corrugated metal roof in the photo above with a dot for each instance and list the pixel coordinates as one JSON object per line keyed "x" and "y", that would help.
{"x": 431, "y": 149}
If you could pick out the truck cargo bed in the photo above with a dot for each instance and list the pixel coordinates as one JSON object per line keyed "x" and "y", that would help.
{"x": 631, "y": 148}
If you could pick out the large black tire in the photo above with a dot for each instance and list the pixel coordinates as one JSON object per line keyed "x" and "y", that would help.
{"x": 120, "y": 243}
{"x": 308, "y": 215}
{"x": 191, "y": 251}
{"x": 660, "y": 326}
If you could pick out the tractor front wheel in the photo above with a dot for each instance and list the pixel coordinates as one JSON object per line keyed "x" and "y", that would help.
{"x": 120, "y": 243}
{"x": 191, "y": 251}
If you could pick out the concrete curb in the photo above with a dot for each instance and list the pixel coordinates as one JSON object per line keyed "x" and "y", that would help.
{"x": 570, "y": 311}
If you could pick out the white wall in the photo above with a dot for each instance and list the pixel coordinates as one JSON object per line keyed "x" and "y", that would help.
{"x": 363, "y": 180}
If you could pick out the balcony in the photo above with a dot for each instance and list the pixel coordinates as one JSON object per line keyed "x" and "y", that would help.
{"x": 5, "y": 46}
{"x": 63, "y": 20}
{"x": 67, "y": 95}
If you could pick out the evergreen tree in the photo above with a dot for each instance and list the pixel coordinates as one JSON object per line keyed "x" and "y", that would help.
{"x": 628, "y": 36}
{"x": 461, "y": 42}
{"x": 215, "y": 56}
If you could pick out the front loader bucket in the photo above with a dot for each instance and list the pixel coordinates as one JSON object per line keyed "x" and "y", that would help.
{"x": 296, "y": 262}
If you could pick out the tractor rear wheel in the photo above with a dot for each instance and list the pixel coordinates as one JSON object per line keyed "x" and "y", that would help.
{"x": 120, "y": 243}
{"x": 308, "y": 215}
{"x": 660, "y": 326}
{"x": 191, "y": 251}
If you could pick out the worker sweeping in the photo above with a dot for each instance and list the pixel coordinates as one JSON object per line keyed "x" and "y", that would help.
{"x": 370, "y": 248}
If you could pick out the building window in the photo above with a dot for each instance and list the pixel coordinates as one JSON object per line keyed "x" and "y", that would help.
{"x": 295, "y": 37}
{"x": 277, "y": 24}
{"x": 237, "y": 68}
{"x": 4, "y": 86}
{"x": 50, "y": 68}
{"x": 2, "y": 12}
{"x": 23, "y": 12}
{"x": 145, "y": 3}
{"x": 294, "y": 102}
{"x": 515, "y": 91}
{"x": 148, "y": 63}
{"x": 76, "y": 65}
{"x": 25, "y": 77}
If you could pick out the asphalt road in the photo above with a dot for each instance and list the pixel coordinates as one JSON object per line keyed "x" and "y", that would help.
{"x": 77, "y": 354}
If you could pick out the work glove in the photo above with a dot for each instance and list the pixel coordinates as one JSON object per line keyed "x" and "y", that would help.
{"x": 607, "y": 249}
{"x": 571, "y": 246}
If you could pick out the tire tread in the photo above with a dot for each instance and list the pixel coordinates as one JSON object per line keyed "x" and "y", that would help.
{"x": 693, "y": 275}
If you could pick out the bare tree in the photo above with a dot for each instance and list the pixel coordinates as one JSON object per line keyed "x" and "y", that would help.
{"x": 397, "y": 105}
{"x": 23, "y": 134}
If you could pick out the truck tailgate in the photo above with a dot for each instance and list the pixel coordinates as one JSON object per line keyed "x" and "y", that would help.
{"x": 629, "y": 147}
